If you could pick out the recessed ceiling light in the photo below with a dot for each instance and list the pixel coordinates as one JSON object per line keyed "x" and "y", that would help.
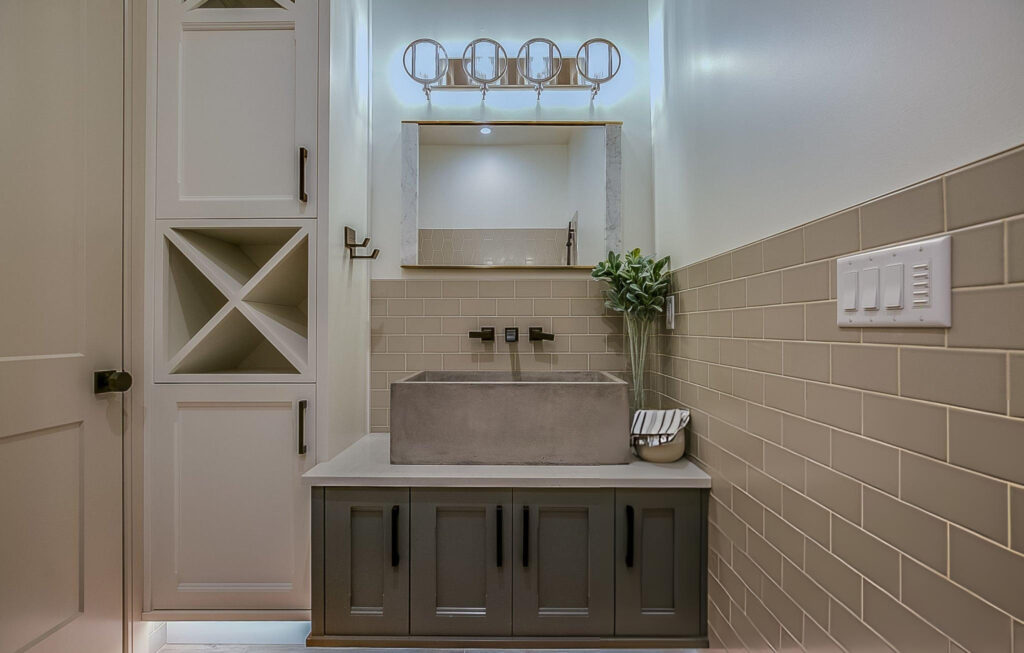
{"x": 485, "y": 130}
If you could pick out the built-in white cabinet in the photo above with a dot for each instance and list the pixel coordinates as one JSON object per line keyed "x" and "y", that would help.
{"x": 232, "y": 308}
{"x": 227, "y": 519}
{"x": 236, "y": 108}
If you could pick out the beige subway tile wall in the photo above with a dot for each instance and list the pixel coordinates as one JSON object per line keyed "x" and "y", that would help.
{"x": 868, "y": 484}
{"x": 424, "y": 324}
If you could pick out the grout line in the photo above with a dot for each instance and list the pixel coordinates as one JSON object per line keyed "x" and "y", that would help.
{"x": 945, "y": 211}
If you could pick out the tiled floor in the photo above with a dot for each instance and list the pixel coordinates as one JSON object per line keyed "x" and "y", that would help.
{"x": 263, "y": 648}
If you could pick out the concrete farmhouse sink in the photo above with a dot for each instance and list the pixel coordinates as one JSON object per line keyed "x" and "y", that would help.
{"x": 515, "y": 418}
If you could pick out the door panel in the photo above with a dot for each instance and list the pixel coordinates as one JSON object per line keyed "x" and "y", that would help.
{"x": 461, "y": 583}
{"x": 658, "y": 584}
{"x": 237, "y": 99}
{"x": 229, "y": 513}
{"x": 564, "y": 577}
{"x": 366, "y": 561}
{"x": 60, "y": 288}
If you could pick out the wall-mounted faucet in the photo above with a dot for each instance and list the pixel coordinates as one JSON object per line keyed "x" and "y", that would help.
{"x": 486, "y": 334}
{"x": 511, "y": 334}
{"x": 537, "y": 333}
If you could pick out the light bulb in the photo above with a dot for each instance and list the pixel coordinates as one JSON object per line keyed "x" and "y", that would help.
{"x": 485, "y": 130}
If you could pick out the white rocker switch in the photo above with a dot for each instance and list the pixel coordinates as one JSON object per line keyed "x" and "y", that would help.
{"x": 869, "y": 289}
{"x": 848, "y": 293}
{"x": 892, "y": 285}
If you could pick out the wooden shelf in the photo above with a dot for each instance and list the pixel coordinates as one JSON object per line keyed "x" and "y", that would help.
{"x": 498, "y": 267}
{"x": 191, "y": 300}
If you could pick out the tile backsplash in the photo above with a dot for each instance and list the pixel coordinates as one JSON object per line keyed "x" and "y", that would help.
{"x": 868, "y": 484}
{"x": 423, "y": 324}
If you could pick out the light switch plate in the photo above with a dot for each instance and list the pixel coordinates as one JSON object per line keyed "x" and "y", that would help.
{"x": 905, "y": 285}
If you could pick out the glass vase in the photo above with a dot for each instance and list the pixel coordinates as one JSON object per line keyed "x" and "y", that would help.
{"x": 638, "y": 335}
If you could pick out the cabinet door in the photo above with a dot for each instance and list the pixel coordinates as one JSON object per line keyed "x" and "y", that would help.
{"x": 564, "y": 575}
{"x": 659, "y": 566}
{"x": 366, "y": 561}
{"x": 228, "y": 513}
{"x": 236, "y": 100}
{"x": 461, "y": 581}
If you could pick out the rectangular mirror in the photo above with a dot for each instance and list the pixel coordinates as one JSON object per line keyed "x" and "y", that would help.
{"x": 510, "y": 194}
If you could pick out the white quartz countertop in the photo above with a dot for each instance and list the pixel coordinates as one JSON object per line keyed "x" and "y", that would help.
{"x": 367, "y": 463}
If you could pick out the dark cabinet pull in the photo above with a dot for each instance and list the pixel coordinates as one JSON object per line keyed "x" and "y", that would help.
{"x": 629, "y": 536}
{"x": 526, "y": 536}
{"x": 499, "y": 529}
{"x": 302, "y": 427}
{"x": 394, "y": 536}
{"x": 303, "y": 155}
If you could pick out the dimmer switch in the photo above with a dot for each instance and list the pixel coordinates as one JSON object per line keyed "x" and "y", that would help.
{"x": 900, "y": 286}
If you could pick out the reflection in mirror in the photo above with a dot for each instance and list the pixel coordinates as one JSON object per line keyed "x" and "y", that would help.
{"x": 510, "y": 194}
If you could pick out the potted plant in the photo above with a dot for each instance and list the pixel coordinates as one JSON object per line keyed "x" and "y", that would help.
{"x": 637, "y": 288}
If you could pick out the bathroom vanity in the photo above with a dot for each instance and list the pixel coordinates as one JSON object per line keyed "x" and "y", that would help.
{"x": 507, "y": 555}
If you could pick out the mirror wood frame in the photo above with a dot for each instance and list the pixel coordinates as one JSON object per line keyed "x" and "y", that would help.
{"x": 411, "y": 176}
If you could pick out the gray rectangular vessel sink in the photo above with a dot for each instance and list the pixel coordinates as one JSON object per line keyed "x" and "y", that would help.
{"x": 510, "y": 418}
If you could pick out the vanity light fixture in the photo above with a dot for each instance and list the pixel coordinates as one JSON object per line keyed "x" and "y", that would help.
{"x": 538, "y": 65}
{"x": 426, "y": 61}
{"x": 598, "y": 61}
{"x": 539, "y": 62}
{"x": 485, "y": 62}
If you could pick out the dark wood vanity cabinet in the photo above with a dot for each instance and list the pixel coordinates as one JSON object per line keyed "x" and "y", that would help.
{"x": 462, "y": 567}
{"x": 564, "y": 573}
{"x": 429, "y": 565}
{"x": 361, "y": 560}
{"x": 660, "y": 562}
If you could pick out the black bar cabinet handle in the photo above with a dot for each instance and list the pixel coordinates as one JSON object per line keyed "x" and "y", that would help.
{"x": 303, "y": 155}
{"x": 302, "y": 427}
{"x": 629, "y": 536}
{"x": 526, "y": 536}
{"x": 499, "y": 529}
{"x": 394, "y": 536}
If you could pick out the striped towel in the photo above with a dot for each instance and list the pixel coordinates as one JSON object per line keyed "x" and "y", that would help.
{"x": 654, "y": 427}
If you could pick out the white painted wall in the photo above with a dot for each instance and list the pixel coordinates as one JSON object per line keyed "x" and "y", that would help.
{"x": 395, "y": 23}
{"x": 770, "y": 114}
{"x": 494, "y": 187}
{"x": 348, "y": 282}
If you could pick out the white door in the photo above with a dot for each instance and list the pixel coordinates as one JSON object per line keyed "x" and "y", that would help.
{"x": 60, "y": 319}
{"x": 227, "y": 510}
{"x": 236, "y": 107}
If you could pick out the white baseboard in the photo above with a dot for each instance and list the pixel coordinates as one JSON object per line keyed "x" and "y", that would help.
{"x": 157, "y": 638}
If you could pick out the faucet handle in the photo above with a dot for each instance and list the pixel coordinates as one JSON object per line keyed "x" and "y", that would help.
{"x": 486, "y": 334}
{"x": 537, "y": 333}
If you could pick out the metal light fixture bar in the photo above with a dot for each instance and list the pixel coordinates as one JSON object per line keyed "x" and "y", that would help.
{"x": 485, "y": 66}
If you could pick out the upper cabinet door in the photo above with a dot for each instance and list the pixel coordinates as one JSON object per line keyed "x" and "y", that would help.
{"x": 564, "y": 583}
{"x": 236, "y": 109}
{"x": 660, "y": 567}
